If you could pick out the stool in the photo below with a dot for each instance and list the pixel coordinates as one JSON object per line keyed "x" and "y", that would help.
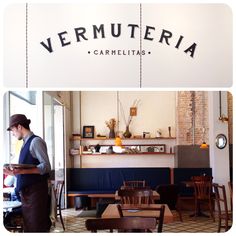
{"x": 81, "y": 202}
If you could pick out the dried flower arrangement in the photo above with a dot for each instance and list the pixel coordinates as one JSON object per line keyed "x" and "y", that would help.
{"x": 111, "y": 124}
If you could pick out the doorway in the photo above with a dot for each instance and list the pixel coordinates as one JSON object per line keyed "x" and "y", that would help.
{"x": 54, "y": 136}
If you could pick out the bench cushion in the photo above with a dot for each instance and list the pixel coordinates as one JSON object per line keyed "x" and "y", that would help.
{"x": 108, "y": 180}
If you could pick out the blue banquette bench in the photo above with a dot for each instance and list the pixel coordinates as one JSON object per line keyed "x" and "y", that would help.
{"x": 88, "y": 181}
{"x": 107, "y": 180}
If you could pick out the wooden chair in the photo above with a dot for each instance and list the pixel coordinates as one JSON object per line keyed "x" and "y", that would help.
{"x": 159, "y": 218}
{"x": 203, "y": 193}
{"x": 169, "y": 194}
{"x": 231, "y": 195}
{"x": 221, "y": 202}
{"x": 125, "y": 224}
{"x": 57, "y": 186}
{"x": 135, "y": 196}
{"x": 134, "y": 184}
{"x": 13, "y": 221}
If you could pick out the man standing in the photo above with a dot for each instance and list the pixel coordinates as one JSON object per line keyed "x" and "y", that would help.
{"x": 31, "y": 183}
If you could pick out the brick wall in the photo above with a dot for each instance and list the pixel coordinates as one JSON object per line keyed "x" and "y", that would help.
{"x": 230, "y": 116}
{"x": 192, "y": 116}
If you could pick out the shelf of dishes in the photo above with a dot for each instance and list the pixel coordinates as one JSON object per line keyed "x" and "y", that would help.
{"x": 137, "y": 149}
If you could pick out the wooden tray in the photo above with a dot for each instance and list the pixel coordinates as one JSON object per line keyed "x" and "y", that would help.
{"x": 19, "y": 166}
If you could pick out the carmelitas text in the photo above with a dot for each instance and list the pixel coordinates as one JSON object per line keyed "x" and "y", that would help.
{"x": 118, "y": 52}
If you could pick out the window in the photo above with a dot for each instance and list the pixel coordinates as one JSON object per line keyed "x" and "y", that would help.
{"x": 22, "y": 103}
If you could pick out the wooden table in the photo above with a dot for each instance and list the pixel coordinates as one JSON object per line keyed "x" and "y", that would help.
{"x": 112, "y": 212}
{"x": 155, "y": 195}
{"x": 8, "y": 206}
{"x": 11, "y": 204}
{"x": 96, "y": 196}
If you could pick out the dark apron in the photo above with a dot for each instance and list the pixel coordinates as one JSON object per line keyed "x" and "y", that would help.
{"x": 35, "y": 208}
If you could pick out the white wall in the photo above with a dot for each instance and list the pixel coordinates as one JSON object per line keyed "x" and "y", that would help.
{"x": 75, "y": 119}
{"x": 155, "y": 110}
{"x": 207, "y": 25}
{"x": 219, "y": 158}
{"x": 96, "y": 108}
{"x": 128, "y": 161}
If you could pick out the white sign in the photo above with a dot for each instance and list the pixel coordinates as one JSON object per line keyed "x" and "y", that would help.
{"x": 118, "y": 45}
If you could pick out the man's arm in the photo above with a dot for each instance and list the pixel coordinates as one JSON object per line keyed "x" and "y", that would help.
{"x": 38, "y": 150}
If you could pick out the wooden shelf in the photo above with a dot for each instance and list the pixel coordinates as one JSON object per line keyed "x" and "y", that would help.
{"x": 128, "y": 154}
{"x": 75, "y": 138}
{"x": 97, "y": 138}
{"x": 165, "y": 144}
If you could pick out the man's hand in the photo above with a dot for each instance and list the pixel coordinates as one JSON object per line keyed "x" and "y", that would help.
{"x": 8, "y": 171}
{"x": 17, "y": 171}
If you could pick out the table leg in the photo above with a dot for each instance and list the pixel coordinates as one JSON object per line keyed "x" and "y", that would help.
{"x": 199, "y": 212}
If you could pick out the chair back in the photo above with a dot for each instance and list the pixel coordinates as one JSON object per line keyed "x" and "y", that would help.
{"x": 204, "y": 178}
{"x": 221, "y": 200}
{"x": 57, "y": 186}
{"x": 222, "y": 206}
{"x": 134, "y": 183}
{"x": 13, "y": 221}
{"x": 136, "y": 196}
{"x": 202, "y": 187}
{"x": 123, "y": 224}
{"x": 231, "y": 195}
{"x": 159, "y": 218}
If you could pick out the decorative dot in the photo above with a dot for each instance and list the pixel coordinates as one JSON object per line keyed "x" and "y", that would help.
{"x": 88, "y": 52}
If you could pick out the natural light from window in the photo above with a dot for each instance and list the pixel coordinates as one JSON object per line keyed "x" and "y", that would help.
{"x": 22, "y": 104}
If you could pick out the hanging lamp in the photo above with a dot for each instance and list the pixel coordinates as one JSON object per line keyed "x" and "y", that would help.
{"x": 204, "y": 144}
{"x": 222, "y": 117}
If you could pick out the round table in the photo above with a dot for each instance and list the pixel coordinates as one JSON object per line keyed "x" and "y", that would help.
{"x": 9, "y": 205}
{"x": 8, "y": 208}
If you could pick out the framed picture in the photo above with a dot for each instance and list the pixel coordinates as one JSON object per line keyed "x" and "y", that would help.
{"x": 133, "y": 111}
{"x": 88, "y": 131}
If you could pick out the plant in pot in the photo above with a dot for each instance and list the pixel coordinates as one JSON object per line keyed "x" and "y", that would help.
{"x": 127, "y": 133}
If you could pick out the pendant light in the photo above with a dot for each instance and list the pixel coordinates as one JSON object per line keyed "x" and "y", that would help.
{"x": 222, "y": 117}
{"x": 193, "y": 96}
{"x": 204, "y": 144}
